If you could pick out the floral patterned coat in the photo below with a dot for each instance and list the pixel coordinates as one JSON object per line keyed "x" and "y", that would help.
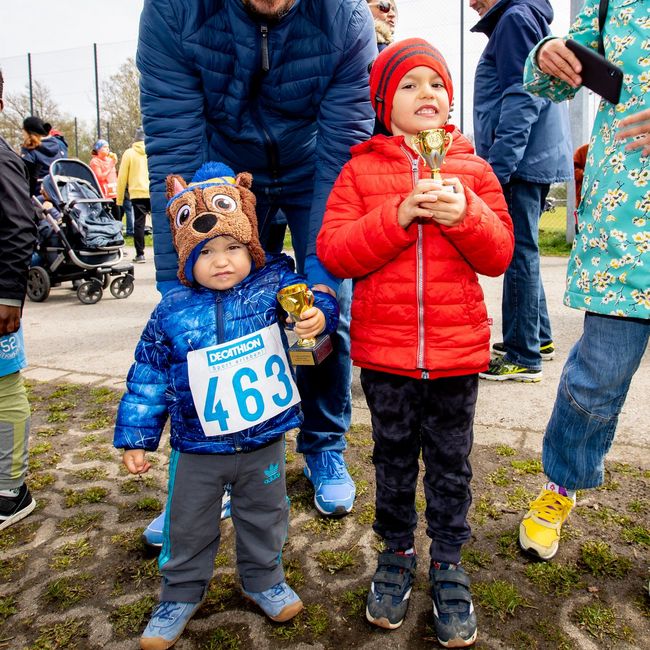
{"x": 609, "y": 269}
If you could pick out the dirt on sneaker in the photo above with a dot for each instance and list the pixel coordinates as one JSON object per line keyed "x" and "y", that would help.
{"x": 74, "y": 574}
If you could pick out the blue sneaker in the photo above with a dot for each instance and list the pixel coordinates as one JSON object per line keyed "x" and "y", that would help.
{"x": 152, "y": 537}
{"x": 390, "y": 590}
{"x": 454, "y": 618}
{"x": 280, "y": 602}
{"x": 334, "y": 489}
{"x": 166, "y": 624}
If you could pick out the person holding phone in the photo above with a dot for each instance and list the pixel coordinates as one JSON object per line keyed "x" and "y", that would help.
{"x": 608, "y": 275}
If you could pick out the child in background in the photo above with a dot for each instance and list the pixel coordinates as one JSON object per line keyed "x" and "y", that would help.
{"x": 212, "y": 356}
{"x": 419, "y": 329}
{"x": 103, "y": 162}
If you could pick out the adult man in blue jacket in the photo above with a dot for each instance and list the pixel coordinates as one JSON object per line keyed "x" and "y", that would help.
{"x": 526, "y": 140}
{"x": 278, "y": 88}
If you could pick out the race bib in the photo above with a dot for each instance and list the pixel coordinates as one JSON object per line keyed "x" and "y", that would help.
{"x": 241, "y": 383}
{"x": 12, "y": 353}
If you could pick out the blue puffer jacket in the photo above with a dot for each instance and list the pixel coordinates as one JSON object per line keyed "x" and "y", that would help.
{"x": 190, "y": 319}
{"x": 284, "y": 101}
{"x": 520, "y": 135}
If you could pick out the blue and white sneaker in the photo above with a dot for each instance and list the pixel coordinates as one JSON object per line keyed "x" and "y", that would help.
{"x": 334, "y": 489}
{"x": 166, "y": 624}
{"x": 280, "y": 602}
{"x": 152, "y": 537}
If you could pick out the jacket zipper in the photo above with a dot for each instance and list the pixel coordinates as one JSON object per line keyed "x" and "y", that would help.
{"x": 415, "y": 175}
{"x": 265, "y": 48}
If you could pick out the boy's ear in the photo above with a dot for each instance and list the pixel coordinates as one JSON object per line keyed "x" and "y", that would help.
{"x": 175, "y": 184}
{"x": 244, "y": 179}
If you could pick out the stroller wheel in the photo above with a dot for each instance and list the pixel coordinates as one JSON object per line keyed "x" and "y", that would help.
{"x": 90, "y": 292}
{"x": 122, "y": 287}
{"x": 38, "y": 284}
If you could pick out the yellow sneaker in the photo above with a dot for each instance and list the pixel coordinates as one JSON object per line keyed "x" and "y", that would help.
{"x": 539, "y": 532}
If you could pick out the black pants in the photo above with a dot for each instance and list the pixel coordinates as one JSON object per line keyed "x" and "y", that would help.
{"x": 435, "y": 417}
{"x": 141, "y": 208}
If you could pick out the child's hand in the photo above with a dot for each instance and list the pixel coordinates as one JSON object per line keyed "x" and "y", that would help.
{"x": 445, "y": 207}
{"x": 134, "y": 461}
{"x": 411, "y": 207}
{"x": 311, "y": 324}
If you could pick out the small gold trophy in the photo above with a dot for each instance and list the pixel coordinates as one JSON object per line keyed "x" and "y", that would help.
{"x": 295, "y": 300}
{"x": 432, "y": 145}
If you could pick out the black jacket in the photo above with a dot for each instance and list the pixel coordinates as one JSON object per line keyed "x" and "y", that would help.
{"x": 17, "y": 224}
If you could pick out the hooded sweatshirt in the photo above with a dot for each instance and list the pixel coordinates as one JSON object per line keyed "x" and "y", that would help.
{"x": 133, "y": 173}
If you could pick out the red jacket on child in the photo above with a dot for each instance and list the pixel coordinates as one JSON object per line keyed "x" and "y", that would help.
{"x": 417, "y": 308}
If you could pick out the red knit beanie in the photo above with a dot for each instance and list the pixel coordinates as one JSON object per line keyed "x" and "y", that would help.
{"x": 393, "y": 63}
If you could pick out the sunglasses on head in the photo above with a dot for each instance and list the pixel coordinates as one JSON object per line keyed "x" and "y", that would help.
{"x": 384, "y": 6}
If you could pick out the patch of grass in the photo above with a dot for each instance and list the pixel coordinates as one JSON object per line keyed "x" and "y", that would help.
{"x": 636, "y": 534}
{"x": 78, "y": 497}
{"x": 138, "y": 573}
{"x": 61, "y": 635}
{"x": 293, "y": 573}
{"x": 222, "y": 638}
{"x": 484, "y": 508}
{"x": 550, "y": 632}
{"x": 323, "y": 526}
{"x": 519, "y": 498}
{"x": 221, "y": 560}
{"x": 36, "y": 464}
{"x": 90, "y": 474}
{"x": 474, "y": 559}
{"x": 508, "y": 544}
{"x": 98, "y": 418}
{"x": 63, "y": 593}
{"x": 40, "y": 448}
{"x": 317, "y": 619}
{"x": 361, "y": 487}
{"x": 8, "y": 606}
{"x": 65, "y": 390}
{"x": 521, "y": 640}
{"x": 289, "y": 631}
{"x": 61, "y": 405}
{"x": 599, "y": 559}
{"x": 137, "y": 484}
{"x": 71, "y": 553}
{"x": 130, "y": 540}
{"x": 499, "y": 477}
{"x": 11, "y": 566}
{"x": 79, "y": 523}
{"x": 604, "y": 515}
{"x": 366, "y": 515}
{"x": 148, "y": 504}
{"x": 18, "y": 535}
{"x": 552, "y": 578}
{"x": 57, "y": 416}
{"x": 504, "y": 450}
{"x": 610, "y": 485}
{"x": 42, "y": 480}
{"x": 359, "y": 435}
{"x": 530, "y": 466}
{"x": 353, "y": 601}
{"x": 104, "y": 395}
{"x": 553, "y": 243}
{"x": 498, "y": 598}
{"x": 335, "y": 561}
{"x": 289, "y": 457}
{"x": 638, "y": 506}
{"x": 600, "y": 621}
{"x": 220, "y": 592}
{"x": 130, "y": 619}
{"x": 420, "y": 503}
{"x": 626, "y": 469}
{"x": 48, "y": 432}
{"x": 100, "y": 453}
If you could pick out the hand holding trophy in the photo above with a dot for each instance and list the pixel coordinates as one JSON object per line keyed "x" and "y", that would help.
{"x": 295, "y": 300}
{"x": 432, "y": 146}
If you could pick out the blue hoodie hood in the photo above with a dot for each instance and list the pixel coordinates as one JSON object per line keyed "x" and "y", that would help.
{"x": 541, "y": 9}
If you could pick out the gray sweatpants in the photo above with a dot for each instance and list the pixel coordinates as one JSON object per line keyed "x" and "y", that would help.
{"x": 260, "y": 515}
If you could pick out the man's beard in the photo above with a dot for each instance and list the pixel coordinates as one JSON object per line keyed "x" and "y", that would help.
{"x": 268, "y": 16}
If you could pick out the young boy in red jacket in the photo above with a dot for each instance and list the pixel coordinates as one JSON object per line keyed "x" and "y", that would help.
{"x": 419, "y": 324}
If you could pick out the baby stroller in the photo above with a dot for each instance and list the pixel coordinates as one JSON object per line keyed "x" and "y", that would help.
{"x": 84, "y": 245}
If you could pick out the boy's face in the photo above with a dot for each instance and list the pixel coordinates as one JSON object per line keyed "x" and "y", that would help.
{"x": 222, "y": 263}
{"x": 420, "y": 102}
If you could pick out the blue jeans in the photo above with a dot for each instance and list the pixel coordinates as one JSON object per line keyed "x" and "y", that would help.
{"x": 325, "y": 389}
{"x": 128, "y": 213}
{"x": 590, "y": 396}
{"x": 525, "y": 321}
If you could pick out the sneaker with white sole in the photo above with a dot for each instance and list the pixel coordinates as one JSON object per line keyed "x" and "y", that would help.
{"x": 547, "y": 351}
{"x": 539, "y": 531}
{"x": 502, "y": 370}
{"x": 334, "y": 489}
{"x": 280, "y": 602}
{"x": 166, "y": 624}
{"x": 13, "y": 508}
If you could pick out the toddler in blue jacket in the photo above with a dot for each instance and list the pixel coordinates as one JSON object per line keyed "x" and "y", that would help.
{"x": 213, "y": 358}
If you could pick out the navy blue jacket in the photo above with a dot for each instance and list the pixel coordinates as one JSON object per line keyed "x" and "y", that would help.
{"x": 520, "y": 135}
{"x": 189, "y": 319}
{"x": 284, "y": 101}
{"x": 38, "y": 160}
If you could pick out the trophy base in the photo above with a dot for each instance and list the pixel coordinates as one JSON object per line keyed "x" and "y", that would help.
{"x": 300, "y": 356}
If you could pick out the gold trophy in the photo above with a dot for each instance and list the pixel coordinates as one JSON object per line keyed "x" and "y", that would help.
{"x": 295, "y": 300}
{"x": 432, "y": 145}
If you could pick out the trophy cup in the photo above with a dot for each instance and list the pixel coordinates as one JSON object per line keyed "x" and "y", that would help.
{"x": 432, "y": 145}
{"x": 305, "y": 352}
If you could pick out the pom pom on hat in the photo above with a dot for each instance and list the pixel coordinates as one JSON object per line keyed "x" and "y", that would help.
{"x": 393, "y": 63}
{"x": 33, "y": 124}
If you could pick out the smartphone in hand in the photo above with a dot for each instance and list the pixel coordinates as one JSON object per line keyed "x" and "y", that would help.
{"x": 598, "y": 74}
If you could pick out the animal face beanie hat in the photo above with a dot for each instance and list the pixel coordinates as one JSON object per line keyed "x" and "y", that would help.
{"x": 214, "y": 203}
{"x": 393, "y": 63}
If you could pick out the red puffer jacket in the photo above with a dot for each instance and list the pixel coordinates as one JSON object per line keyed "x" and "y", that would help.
{"x": 418, "y": 307}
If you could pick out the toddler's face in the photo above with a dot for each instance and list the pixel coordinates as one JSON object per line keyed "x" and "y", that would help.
{"x": 222, "y": 263}
{"x": 421, "y": 102}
